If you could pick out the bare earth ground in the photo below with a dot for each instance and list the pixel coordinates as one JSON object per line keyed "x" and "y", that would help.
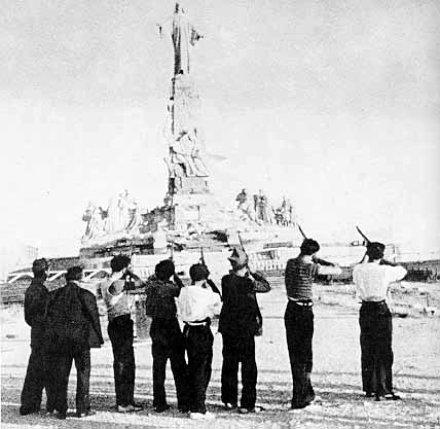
{"x": 336, "y": 378}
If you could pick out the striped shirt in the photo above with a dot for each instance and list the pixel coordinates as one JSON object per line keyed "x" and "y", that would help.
{"x": 300, "y": 275}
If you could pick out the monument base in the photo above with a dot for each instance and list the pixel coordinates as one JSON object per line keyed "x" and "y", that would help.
{"x": 188, "y": 185}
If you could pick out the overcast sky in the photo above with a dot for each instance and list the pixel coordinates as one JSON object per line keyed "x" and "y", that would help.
{"x": 335, "y": 104}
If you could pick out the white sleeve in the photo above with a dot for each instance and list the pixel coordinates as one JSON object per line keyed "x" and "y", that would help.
{"x": 394, "y": 274}
{"x": 325, "y": 270}
{"x": 216, "y": 303}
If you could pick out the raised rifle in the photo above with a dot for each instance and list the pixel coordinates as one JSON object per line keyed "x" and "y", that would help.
{"x": 315, "y": 259}
{"x": 302, "y": 232}
{"x": 202, "y": 257}
{"x": 214, "y": 288}
{"x": 366, "y": 240}
{"x": 260, "y": 282}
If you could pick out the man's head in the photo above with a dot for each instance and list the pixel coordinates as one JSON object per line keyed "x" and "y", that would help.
{"x": 309, "y": 247}
{"x": 119, "y": 262}
{"x": 40, "y": 268}
{"x": 238, "y": 259}
{"x": 165, "y": 269}
{"x": 375, "y": 250}
{"x": 198, "y": 272}
{"x": 74, "y": 273}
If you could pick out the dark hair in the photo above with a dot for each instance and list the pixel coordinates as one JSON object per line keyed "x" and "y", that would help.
{"x": 198, "y": 272}
{"x": 74, "y": 273}
{"x": 39, "y": 267}
{"x": 165, "y": 269}
{"x": 119, "y": 262}
{"x": 375, "y": 250}
{"x": 309, "y": 247}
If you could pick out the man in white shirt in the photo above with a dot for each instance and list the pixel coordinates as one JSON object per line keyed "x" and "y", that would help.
{"x": 197, "y": 304}
{"x": 372, "y": 280}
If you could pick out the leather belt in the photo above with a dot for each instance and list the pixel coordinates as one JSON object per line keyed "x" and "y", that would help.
{"x": 202, "y": 323}
{"x": 301, "y": 303}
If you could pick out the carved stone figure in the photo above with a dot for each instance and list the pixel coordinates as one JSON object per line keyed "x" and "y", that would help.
{"x": 94, "y": 216}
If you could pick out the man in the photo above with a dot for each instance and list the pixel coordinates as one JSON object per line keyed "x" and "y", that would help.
{"x": 115, "y": 291}
{"x": 240, "y": 321}
{"x": 299, "y": 277}
{"x": 35, "y": 300}
{"x": 198, "y": 303}
{"x": 166, "y": 336}
{"x": 372, "y": 279}
{"x": 73, "y": 328}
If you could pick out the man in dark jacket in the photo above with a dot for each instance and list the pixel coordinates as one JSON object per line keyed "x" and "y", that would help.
{"x": 167, "y": 338}
{"x": 73, "y": 327}
{"x": 34, "y": 306}
{"x": 240, "y": 321}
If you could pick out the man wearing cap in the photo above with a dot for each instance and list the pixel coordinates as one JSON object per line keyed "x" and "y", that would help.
{"x": 299, "y": 277}
{"x": 240, "y": 320}
{"x": 372, "y": 279}
{"x": 115, "y": 291}
{"x": 73, "y": 328}
{"x": 197, "y": 304}
{"x": 167, "y": 340}
{"x": 35, "y": 300}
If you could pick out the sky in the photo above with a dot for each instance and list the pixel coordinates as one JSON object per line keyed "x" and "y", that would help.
{"x": 333, "y": 104}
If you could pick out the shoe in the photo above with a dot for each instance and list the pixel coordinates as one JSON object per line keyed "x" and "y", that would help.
{"x": 161, "y": 408}
{"x": 26, "y": 411}
{"x": 202, "y": 416}
{"x": 127, "y": 409}
{"x": 137, "y": 407}
{"x": 256, "y": 409}
{"x": 392, "y": 397}
{"x": 228, "y": 406}
{"x": 369, "y": 394}
{"x": 300, "y": 406}
{"x": 85, "y": 413}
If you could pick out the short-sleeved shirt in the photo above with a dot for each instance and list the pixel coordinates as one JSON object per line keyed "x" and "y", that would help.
{"x": 198, "y": 302}
{"x": 372, "y": 280}
{"x": 118, "y": 301}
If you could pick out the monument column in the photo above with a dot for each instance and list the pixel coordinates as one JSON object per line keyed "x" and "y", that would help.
{"x": 187, "y": 171}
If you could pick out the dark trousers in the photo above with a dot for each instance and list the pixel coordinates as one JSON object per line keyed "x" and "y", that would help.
{"x": 120, "y": 332}
{"x": 198, "y": 343}
{"x": 376, "y": 348}
{"x": 35, "y": 382}
{"x": 298, "y": 321}
{"x": 59, "y": 364}
{"x": 168, "y": 343}
{"x": 236, "y": 350}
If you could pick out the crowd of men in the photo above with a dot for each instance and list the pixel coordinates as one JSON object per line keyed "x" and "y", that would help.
{"x": 65, "y": 326}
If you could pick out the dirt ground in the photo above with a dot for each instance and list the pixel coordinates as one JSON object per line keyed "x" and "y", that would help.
{"x": 336, "y": 377}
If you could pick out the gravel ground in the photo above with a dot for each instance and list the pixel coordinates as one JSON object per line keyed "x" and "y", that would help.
{"x": 336, "y": 378}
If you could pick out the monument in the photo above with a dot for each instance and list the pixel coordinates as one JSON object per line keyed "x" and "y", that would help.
{"x": 191, "y": 216}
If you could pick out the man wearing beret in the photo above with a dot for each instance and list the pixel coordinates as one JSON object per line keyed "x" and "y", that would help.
{"x": 35, "y": 300}
{"x": 240, "y": 320}
{"x": 372, "y": 279}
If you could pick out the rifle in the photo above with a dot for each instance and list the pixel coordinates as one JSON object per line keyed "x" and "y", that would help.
{"x": 366, "y": 240}
{"x": 302, "y": 232}
{"x": 315, "y": 258}
{"x": 202, "y": 257}
{"x": 260, "y": 282}
{"x": 214, "y": 288}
